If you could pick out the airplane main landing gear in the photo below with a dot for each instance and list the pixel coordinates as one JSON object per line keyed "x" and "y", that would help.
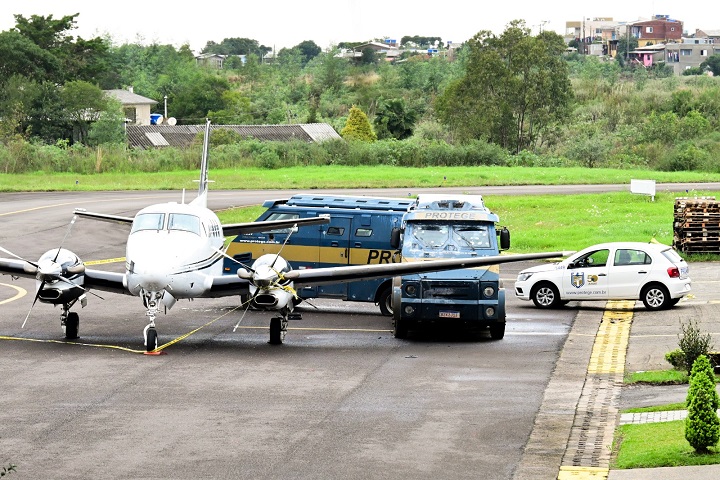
{"x": 70, "y": 323}
{"x": 278, "y": 329}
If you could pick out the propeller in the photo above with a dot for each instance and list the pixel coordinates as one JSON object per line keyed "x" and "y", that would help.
{"x": 47, "y": 270}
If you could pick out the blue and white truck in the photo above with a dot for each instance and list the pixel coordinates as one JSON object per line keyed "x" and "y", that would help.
{"x": 449, "y": 226}
{"x": 358, "y": 234}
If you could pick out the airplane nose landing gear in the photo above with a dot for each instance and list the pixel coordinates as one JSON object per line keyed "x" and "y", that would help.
{"x": 278, "y": 329}
{"x": 151, "y": 337}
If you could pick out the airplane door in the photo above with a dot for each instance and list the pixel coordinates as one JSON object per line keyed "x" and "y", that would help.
{"x": 335, "y": 252}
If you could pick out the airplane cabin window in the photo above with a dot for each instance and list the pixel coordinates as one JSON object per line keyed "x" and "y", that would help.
{"x": 184, "y": 222}
{"x": 148, "y": 221}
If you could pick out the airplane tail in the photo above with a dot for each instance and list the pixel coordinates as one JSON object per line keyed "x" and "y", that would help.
{"x": 202, "y": 190}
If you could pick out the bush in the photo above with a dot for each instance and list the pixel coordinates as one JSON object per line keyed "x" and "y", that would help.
{"x": 676, "y": 358}
{"x": 702, "y": 425}
{"x": 693, "y": 343}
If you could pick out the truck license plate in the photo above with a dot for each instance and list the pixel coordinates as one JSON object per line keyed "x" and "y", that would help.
{"x": 448, "y": 314}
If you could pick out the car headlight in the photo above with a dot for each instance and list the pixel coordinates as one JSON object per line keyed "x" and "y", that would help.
{"x": 524, "y": 276}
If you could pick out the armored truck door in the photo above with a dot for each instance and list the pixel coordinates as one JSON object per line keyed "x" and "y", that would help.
{"x": 335, "y": 251}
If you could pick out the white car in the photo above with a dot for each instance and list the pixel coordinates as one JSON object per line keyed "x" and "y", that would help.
{"x": 651, "y": 272}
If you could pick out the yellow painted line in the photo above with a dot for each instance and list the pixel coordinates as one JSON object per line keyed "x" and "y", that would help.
{"x": 584, "y": 473}
{"x": 77, "y": 202}
{"x": 21, "y": 292}
{"x": 321, "y": 329}
{"x": 105, "y": 261}
{"x": 611, "y": 341}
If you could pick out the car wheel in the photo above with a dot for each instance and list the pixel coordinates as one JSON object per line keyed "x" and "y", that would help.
{"x": 385, "y": 302}
{"x": 545, "y": 295}
{"x": 656, "y": 297}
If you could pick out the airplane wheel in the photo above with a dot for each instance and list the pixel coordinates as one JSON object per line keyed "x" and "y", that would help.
{"x": 152, "y": 339}
{"x": 275, "y": 331}
{"x": 72, "y": 326}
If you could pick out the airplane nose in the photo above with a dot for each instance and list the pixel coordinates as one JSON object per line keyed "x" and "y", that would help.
{"x": 152, "y": 281}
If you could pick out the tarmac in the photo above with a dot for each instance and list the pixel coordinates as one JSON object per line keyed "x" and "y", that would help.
{"x": 582, "y": 406}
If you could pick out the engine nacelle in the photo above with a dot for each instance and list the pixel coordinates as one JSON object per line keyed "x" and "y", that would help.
{"x": 60, "y": 273}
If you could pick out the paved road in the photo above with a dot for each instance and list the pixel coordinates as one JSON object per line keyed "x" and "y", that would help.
{"x": 340, "y": 399}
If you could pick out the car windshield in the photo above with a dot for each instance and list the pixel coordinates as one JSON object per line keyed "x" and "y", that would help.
{"x": 446, "y": 238}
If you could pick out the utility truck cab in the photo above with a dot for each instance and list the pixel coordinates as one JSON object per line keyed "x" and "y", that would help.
{"x": 440, "y": 226}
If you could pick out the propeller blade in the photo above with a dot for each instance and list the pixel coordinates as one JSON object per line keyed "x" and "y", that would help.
{"x": 247, "y": 307}
{"x": 283, "y": 245}
{"x": 37, "y": 295}
{"x": 72, "y": 222}
{"x": 18, "y": 257}
{"x": 79, "y": 286}
{"x": 246, "y": 267}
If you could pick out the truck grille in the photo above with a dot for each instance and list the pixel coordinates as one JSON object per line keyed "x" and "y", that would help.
{"x": 450, "y": 290}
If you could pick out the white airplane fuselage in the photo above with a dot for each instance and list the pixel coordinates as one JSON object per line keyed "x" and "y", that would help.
{"x": 174, "y": 248}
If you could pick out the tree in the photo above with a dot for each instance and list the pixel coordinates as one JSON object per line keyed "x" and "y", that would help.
{"x": 394, "y": 120}
{"x": 20, "y": 56}
{"x": 78, "y": 59}
{"x": 110, "y": 125}
{"x": 309, "y": 50}
{"x": 624, "y": 46}
{"x": 515, "y": 88}
{"x": 702, "y": 425}
{"x": 236, "y": 46}
{"x": 83, "y": 103}
{"x": 358, "y": 127}
{"x": 712, "y": 64}
{"x": 369, "y": 57}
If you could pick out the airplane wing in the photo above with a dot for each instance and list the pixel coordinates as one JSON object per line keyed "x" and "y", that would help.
{"x": 16, "y": 268}
{"x": 105, "y": 281}
{"x": 321, "y": 276}
{"x": 228, "y": 230}
{"x": 104, "y": 217}
{"x": 252, "y": 227}
{"x": 94, "y": 279}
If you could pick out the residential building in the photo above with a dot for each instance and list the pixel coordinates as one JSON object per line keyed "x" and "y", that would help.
{"x": 661, "y": 29}
{"x": 136, "y": 107}
{"x": 681, "y": 56}
{"x": 712, "y": 35}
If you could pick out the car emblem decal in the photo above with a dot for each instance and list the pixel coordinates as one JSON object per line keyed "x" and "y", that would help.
{"x": 577, "y": 279}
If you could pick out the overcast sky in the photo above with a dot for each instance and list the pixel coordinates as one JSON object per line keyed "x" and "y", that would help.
{"x": 285, "y": 23}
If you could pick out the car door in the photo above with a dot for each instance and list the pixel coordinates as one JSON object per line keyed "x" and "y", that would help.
{"x": 586, "y": 278}
{"x": 629, "y": 271}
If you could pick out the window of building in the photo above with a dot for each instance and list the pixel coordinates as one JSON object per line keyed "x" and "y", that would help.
{"x": 703, "y": 53}
{"x": 648, "y": 29}
{"x": 672, "y": 29}
{"x": 685, "y": 52}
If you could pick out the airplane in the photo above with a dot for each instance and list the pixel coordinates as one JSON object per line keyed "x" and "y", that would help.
{"x": 175, "y": 251}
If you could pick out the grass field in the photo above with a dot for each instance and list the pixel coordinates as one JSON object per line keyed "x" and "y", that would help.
{"x": 333, "y": 176}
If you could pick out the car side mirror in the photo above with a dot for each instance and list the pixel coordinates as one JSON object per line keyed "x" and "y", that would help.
{"x": 504, "y": 239}
{"x": 395, "y": 237}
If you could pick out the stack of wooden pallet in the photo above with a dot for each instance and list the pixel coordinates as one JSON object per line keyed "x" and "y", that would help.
{"x": 697, "y": 225}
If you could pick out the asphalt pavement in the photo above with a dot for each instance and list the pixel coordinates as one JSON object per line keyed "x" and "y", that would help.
{"x": 582, "y": 405}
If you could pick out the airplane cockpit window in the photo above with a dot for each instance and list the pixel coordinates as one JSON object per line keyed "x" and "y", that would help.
{"x": 184, "y": 222}
{"x": 148, "y": 221}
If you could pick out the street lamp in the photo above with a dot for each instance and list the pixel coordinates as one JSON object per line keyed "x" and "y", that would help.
{"x": 165, "y": 98}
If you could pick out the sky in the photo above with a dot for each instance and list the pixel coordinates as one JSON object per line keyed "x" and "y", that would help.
{"x": 285, "y": 23}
